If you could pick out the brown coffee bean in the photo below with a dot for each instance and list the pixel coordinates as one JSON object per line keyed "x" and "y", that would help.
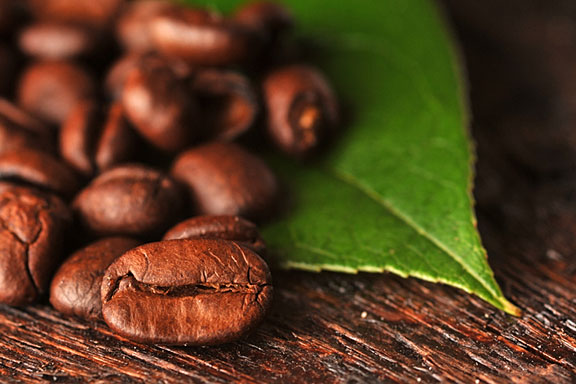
{"x": 201, "y": 37}
{"x": 56, "y": 41}
{"x": 224, "y": 179}
{"x": 75, "y": 288}
{"x": 158, "y": 104}
{"x": 94, "y": 139}
{"x": 132, "y": 200}
{"x": 186, "y": 292}
{"x": 19, "y": 130}
{"x": 118, "y": 71}
{"x": 87, "y": 12}
{"x": 231, "y": 228}
{"x": 39, "y": 169}
{"x": 33, "y": 225}
{"x": 50, "y": 90}
{"x": 302, "y": 109}
{"x": 227, "y": 101}
{"x": 270, "y": 19}
{"x": 133, "y": 27}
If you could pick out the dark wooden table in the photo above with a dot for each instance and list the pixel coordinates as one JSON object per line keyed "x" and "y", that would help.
{"x": 332, "y": 328}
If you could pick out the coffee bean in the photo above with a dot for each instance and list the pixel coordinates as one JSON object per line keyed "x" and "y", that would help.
{"x": 19, "y": 130}
{"x": 231, "y": 228}
{"x": 117, "y": 73}
{"x": 302, "y": 109}
{"x": 39, "y": 169}
{"x": 270, "y": 19}
{"x": 55, "y": 41}
{"x": 94, "y": 139}
{"x": 33, "y": 225}
{"x": 186, "y": 292}
{"x": 132, "y": 200}
{"x": 201, "y": 37}
{"x": 224, "y": 179}
{"x": 75, "y": 288}
{"x": 159, "y": 106}
{"x": 50, "y": 90}
{"x": 88, "y": 12}
{"x": 133, "y": 27}
{"x": 227, "y": 101}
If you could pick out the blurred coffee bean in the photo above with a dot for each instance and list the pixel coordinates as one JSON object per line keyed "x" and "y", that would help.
{"x": 225, "y": 179}
{"x": 75, "y": 288}
{"x": 268, "y": 18}
{"x": 302, "y": 109}
{"x": 40, "y": 169}
{"x": 51, "y": 89}
{"x": 233, "y": 228}
{"x": 19, "y": 130}
{"x": 116, "y": 76}
{"x": 56, "y": 41}
{"x": 159, "y": 105}
{"x": 32, "y": 232}
{"x": 133, "y": 200}
{"x": 95, "y": 138}
{"x": 201, "y": 37}
{"x": 227, "y": 101}
{"x": 133, "y": 27}
{"x": 86, "y": 12}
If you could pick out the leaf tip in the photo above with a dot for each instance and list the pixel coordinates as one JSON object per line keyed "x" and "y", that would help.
{"x": 510, "y": 308}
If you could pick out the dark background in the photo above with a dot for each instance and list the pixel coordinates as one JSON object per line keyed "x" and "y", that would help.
{"x": 332, "y": 328}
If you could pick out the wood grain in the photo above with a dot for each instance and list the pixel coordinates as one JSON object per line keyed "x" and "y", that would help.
{"x": 336, "y": 328}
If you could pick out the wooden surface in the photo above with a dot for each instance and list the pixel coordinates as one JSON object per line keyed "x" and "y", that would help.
{"x": 335, "y": 328}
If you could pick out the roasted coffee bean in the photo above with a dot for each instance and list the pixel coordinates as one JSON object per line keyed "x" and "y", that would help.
{"x": 270, "y": 19}
{"x": 39, "y": 169}
{"x": 227, "y": 101}
{"x": 186, "y": 292}
{"x": 201, "y": 37}
{"x": 133, "y": 27}
{"x": 94, "y": 139}
{"x": 224, "y": 179}
{"x": 75, "y": 288}
{"x": 159, "y": 105}
{"x": 132, "y": 200}
{"x": 32, "y": 230}
{"x": 56, "y": 41}
{"x": 302, "y": 109}
{"x": 231, "y": 228}
{"x": 88, "y": 12}
{"x": 118, "y": 71}
{"x": 19, "y": 130}
{"x": 51, "y": 89}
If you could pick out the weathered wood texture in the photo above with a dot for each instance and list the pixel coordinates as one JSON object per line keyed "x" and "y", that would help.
{"x": 334, "y": 328}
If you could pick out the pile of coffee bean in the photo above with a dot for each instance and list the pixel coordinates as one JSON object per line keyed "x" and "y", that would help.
{"x": 125, "y": 182}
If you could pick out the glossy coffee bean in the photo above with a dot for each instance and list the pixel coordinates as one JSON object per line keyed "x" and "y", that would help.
{"x": 40, "y": 169}
{"x": 159, "y": 105}
{"x": 88, "y": 12}
{"x": 225, "y": 179}
{"x": 302, "y": 109}
{"x": 132, "y": 200}
{"x": 95, "y": 138}
{"x": 269, "y": 18}
{"x": 31, "y": 236}
{"x": 19, "y": 130}
{"x": 231, "y": 228}
{"x": 227, "y": 101}
{"x": 49, "y": 90}
{"x": 75, "y": 288}
{"x": 56, "y": 41}
{"x": 133, "y": 27}
{"x": 186, "y": 292}
{"x": 201, "y": 37}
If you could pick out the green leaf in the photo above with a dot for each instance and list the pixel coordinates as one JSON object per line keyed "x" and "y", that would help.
{"x": 395, "y": 192}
